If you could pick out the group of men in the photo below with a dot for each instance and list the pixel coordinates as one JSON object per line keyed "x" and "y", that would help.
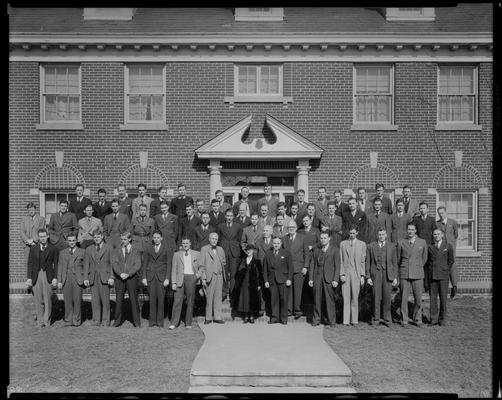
{"x": 176, "y": 245}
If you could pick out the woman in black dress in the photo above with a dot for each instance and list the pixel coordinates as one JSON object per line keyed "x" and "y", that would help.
{"x": 248, "y": 283}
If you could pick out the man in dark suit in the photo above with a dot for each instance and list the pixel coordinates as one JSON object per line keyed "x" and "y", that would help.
{"x": 363, "y": 203}
{"x": 126, "y": 263}
{"x": 250, "y": 205}
{"x": 340, "y": 206}
{"x": 332, "y": 223}
{"x": 324, "y": 274}
{"x": 376, "y": 220}
{"x": 252, "y": 232}
{"x": 425, "y": 223}
{"x": 302, "y": 204}
{"x": 155, "y": 204}
{"x": 98, "y": 275}
{"x": 265, "y": 218}
{"x": 386, "y": 203}
{"x": 42, "y": 267}
{"x": 311, "y": 234}
{"x": 263, "y": 244}
{"x": 215, "y": 216}
{"x": 188, "y": 225}
{"x": 167, "y": 223}
{"x": 125, "y": 203}
{"x": 277, "y": 275}
{"x": 230, "y": 234}
{"x": 61, "y": 224}
{"x": 354, "y": 217}
{"x": 381, "y": 273}
{"x": 30, "y": 226}
{"x": 269, "y": 199}
{"x": 316, "y": 220}
{"x": 79, "y": 203}
{"x": 157, "y": 264}
{"x": 224, "y": 206}
{"x": 410, "y": 204}
{"x": 295, "y": 243}
{"x": 102, "y": 207}
{"x": 242, "y": 218}
{"x": 202, "y": 232}
{"x": 179, "y": 203}
{"x": 399, "y": 222}
{"x": 115, "y": 225}
{"x": 295, "y": 215}
{"x": 450, "y": 231}
{"x": 439, "y": 263}
{"x": 70, "y": 276}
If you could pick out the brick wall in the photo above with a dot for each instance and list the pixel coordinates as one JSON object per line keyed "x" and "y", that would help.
{"x": 195, "y": 112}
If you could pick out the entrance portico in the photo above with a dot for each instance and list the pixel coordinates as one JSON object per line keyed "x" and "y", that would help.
{"x": 282, "y": 160}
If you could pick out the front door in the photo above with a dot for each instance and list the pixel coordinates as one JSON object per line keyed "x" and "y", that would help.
{"x": 283, "y": 193}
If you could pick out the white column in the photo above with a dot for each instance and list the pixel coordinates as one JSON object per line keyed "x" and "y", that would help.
{"x": 302, "y": 177}
{"x": 214, "y": 177}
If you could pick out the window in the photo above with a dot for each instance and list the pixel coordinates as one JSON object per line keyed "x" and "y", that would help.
{"x": 49, "y": 201}
{"x": 462, "y": 207}
{"x": 457, "y": 93}
{"x": 60, "y": 90}
{"x": 373, "y": 102}
{"x": 145, "y": 94}
{"x": 119, "y": 14}
{"x": 410, "y": 14}
{"x": 259, "y": 14}
{"x": 258, "y": 80}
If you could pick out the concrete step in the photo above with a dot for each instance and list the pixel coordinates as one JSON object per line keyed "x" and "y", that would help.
{"x": 271, "y": 389}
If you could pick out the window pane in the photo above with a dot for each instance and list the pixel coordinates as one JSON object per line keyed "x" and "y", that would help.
{"x": 383, "y": 109}
{"x": 157, "y": 105}
{"x": 251, "y": 80}
{"x": 50, "y": 108}
{"x": 134, "y": 108}
{"x": 74, "y": 108}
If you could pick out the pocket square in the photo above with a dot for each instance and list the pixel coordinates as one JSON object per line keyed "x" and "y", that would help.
{"x": 282, "y": 256}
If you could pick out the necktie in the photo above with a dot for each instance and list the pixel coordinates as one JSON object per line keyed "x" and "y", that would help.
{"x": 228, "y": 226}
{"x": 242, "y": 219}
{"x": 43, "y": 247}
{"x": 142, "y": 200}
{"x": 97, "y": 247}
{"x": 115, "y": 216}
{"x": 164, "y": 217}
{"x": 275, "y": 252}
{"x": 142, "y": 219}
{"x": 89, "y": 219}
{"x": 437, "y": 245}
{"x": 254, "y": 228}
{"x": 186, "y": 253}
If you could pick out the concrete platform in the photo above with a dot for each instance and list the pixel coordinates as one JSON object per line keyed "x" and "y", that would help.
{"x": 243, "y": 358}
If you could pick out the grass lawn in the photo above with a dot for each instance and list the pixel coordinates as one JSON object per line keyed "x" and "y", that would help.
{"x": 456, "y": 358}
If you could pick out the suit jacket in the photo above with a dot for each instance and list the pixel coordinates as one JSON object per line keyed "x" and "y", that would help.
{"x": 86, "y": 227}
{"x": 330, "y": 269}
{"x": 267, "y": 221}
{"x": 125, "y": 207}
{"x": 374, "y": 224}
{"x": 98, "y": 261}
{"x": 450, "y": 231}
{"x": 359, "y": 219}
{"x": 230, "y": 239}
{"x": 46, "y": 260}
{"x": 412, "y": 207}
{"x": 277, "y": 269}
{"x": 411, "y": 259}
{"x": 168, "y": 227}
{"x": 391, "y": 260}
{"x": 155, "y": 206}
{"x": 102, "y": 211}
{"x": 30, "y": 227}
{"x": 224, "y": 207}
{"x": 67, "y": 261}
{"x": 157, "y": 265}
{"x": 321, "y": 208}
{"x": 130, "y": 265}
{"x": 247, "y": 221}
{"x": 78, "y": 207}
{"x": 425, "y": 229}
{"x": 302, "y": 208}
{"x": 272, "y": 205}
{"x": 334, "y": 228}
{"x": 252, "y": 206}
{"x": 250, "y": 236}
{"x": 299, "y": 250}
{"x": 142, "y": 231}
{"x": 114, "y": 228}
{"x": 368, "y": 206}
{"x": 298, "y": 220}
{"x": 178, "y": 206}
{"x": 61, "y": 225}
{"x": 201, "y": 237}
{"x": 178, "y": 269}
{"x": 276, "y": 232}
{"x": 262, "y": 248}
{"x": 147, "y": 200}
{"x": 399, "y": 226}
{"x": 212, "y": 263}
{"x": 386, "y": 205}
{"x": 360, "y": 257}
{"x": 187, "y": 228}
{"x": 341, "y": 208}
{"x": 311, "y": 237}
{"x": 215, "y": 221}
{"x": 440, "y": 261}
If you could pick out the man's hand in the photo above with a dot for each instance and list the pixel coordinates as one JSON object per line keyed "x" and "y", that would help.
{"x": 288, "y": 282}
{"x": 342, "y": 278}
{"x": 324, "y": 228}
{"x": 123, "y": 276}
{"x": 86, "y": 282}
{"x": 55, "y": 282}
{"x": 311, "y": 283}
{"x": 204, "y": 283}
{"x": 310, "y": 247}
{"x": 267, "y": 285}
{"x": 394, "y": 282}
{"x": 174, "y": 286}
{"x": 166, "y": 283}
{"x": 304, "y": 271}
{"x": 334, "y": 283}
{"x": 370, "y": 282}
{"x": 111, "y": 282}
{"x": 30, "y": 242}
{"x": 453, "y": 292}
{"x": 60, "y": 285}
{"x": 145, "y": 282}
{"x": 258, "y": 288}
{"x": 362, "y": 280}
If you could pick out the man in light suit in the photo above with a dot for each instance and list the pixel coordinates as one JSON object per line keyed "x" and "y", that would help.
{"x": 61, "y": 224}
{"x": 126, "y": 264}
{"x": 98, "y": 275}
{"x": 354, "y": 217}
{"x": 141, "y": 199}
{"x": 125, "y": 203}
{"x": 212, "y": 260}
{"x": 142, "y": 228}
{"x": 440, "y": 260}
{"x": 71, "y": 280}
{"x": 376, "y": 220}
{"x": 42, "y": 268}
{"x": 102, "y": 207}
{"x": 30, "y": 225}
{"x": 269, "y": 200}
{"x": 410, "y": 204}
{"x": 363, "y": 203}
{"x": 311, "y": 212}
{"x": 332, "y": 223}
{"x": 202, "y": 232}
{"x": 352, "y": 274}
{"x": 321, "y": 204}
{"x": 86, "y": 226}
{"x": 252, "y": 232}
{"x": 302, "y": 204}
{"x": 399, "y": 222}
{"x": 386, "y": 203}
{"x": 156, "y": 271}
{"x": 295, "y": 243}
{"x": 224, "y": 206}
{"x": 250, "y": 205}
{"x": 324, "y": 274}
{"x": 411, "y": 259}
{"x": 185, "y": 272}
{"x": 450, "y": 230}
{"x": 79, "y": 203}
{"x": 280, "y": 229}
{"x": 381, "y": 272}
{"x": 264, "y": 217}
{"x": 115, "y": 225}
{"x": 277, "y": 275}
{"x": 168, "y": 224}
{"x": 281, "y": 210}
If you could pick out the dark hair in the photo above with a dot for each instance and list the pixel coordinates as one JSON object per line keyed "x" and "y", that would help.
{"x": 379, "y": 185}
{"x": 352, "y": 227}
{"x": 163, "y": 202}
{"x": 141, "y": 184}
{"x": 300, "y": 191}
{"x": 377, "y": 199}
{"x": 400, "y": 200}
{"x": 280, "y": 204}
{"x": 204, "y": 213}
{"x": 214, "y": 201}
{"x": 360, "y": 188}
{"x": 63, "y": 202}
{"x": 294, "y": 203}
{"x": 42, "y": 230}
{"x": 442, "y": 207}
{"x": 157, "y": 231}
{"x": 406, "y": 187}
{"x": 101, "y": 190}
{"x": 71, "y": 234}
{"x": 143, "y": 205}
{"x": 79, "y": 185}
{"x": 337, "y": 191}
{"x": 31, "y": 205}
{"x": 181, "y": 184}
{"x": 229, "y": 211}
{"x": 162, "y": 187}
{"x": 114, "y": 201}
{"x": 423, "y": 202}
{"x": 186, "y": 238}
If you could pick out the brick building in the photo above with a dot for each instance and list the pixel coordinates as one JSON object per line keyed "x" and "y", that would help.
{"x": 216, "y": 98}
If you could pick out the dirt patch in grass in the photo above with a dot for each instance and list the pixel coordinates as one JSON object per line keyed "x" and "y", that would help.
{"x": 456, "y": 358}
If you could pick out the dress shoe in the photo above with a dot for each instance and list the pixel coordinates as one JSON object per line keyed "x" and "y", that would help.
{"x": 251, "y": 320}
{"x": 298, "y": 316}
{"x": 218, "y": 321}
{"x": 332, "y": 326}
{"x": 453, "y": 292}
{"x": 207, "y": 321}
{"x": 315, "y": 323}
{"x": 171, "y": 327}
{"x": 272, "y": 321}
{"x": 385, "y": 323}
{"x": 188, "y": 326}
{"x": 432, "y": 323}
{"x": 245, "y": 320}
{"x": 67, "y": 324}
{"x": 370, "y": 322}
{"x": 284, "y": 322}
{"x": 404, "y": 323}
{"x": 442, "y": 323}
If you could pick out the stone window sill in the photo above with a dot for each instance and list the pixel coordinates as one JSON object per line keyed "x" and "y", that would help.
{"x": 373, "y": 127}
{"x": 58, "y": 126}
{"x": 458, "y": 126}
{"x": 144, "y": 127}
{"x": 468, "y": 253}
{"x": 258, "y": 99}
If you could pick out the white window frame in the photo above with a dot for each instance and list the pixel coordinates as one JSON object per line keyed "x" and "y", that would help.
{"x": 354, "y": 94}
{"x": 463, "y": 250}
{"x": 68, "y": 123}
{"x": 117, "y": 14}
{"x": 258, "y": 79}
{"x": 69, "y": 192}
{"x": 476, "y": 96}
{"x": 126, "y": 96}
{"x": 272, "y": 14}
{"x": 398, "y": 14}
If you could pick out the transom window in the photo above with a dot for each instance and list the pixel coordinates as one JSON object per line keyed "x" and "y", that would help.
{"x": 373, "y": 94}
{"x": 145, "y": 93}
{"x": 60, "y": 90}
{"x": 410, "y": 14}
{"x": 258, "y": 80}
{"x": 259, "y": 14}
{"x": 462, "y": 207}
{"x": 457, "y": 93}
